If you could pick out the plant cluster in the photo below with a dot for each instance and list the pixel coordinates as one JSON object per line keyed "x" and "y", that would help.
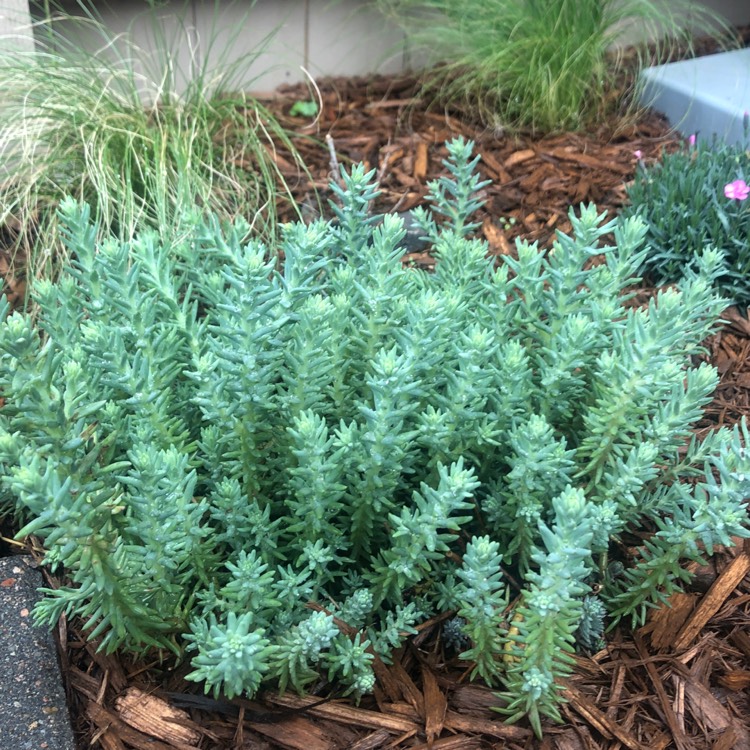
{"x": 280, "y": 472}
{"x": 543, "y": 65}
{"x": 138, "y": 136}
{"x": 695, "y": 198}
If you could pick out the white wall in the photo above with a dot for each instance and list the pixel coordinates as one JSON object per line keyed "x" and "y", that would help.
{"x": 344, "y": 37}
{"x": 15, "y": 25}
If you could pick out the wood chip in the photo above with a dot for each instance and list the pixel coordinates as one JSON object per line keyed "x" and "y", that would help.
{"x": 386, "y": 680}
{"x": 404, "y": 178}
{"x": 466, "y": 723}
{"x": 283, "y": 164}
{"x": 737, "y": 679}
{"x": 459, "y": 742}
{"x": 409, "y": 690}
{"x": 737, "y": 320}
{"x": 714, "y": 716}
{"x": 373, "y": 741}
{"x": 519, "y": 157}
{"x": 435, "y": 705}
{"x": 345, "y": 713}
{"x": 421, "y": 162}
{"x": 391, "y": 103}
{"x": 598, "y": 720}
{"x": 497, "y": 171}
{"x": 741, "y": 640}
{"x": 615, "y": 692}
{"x": 111, "y": 742}
{"x": 496, "y": 238}
{"x": 154, "y": 716}
{"x": 666, "y": 621}
{"x": 295, "y": 733}
{"x": 726, "y": 741}
{"x": 392, "y": 152}
{"x": 583, "y": 190}
{"x": 570, "y": 740}
{"x": 110, "y": 722}
{"x": 678, "y": 735}
{"x": 588, "y": 161}
{"x": 724, "y": 585}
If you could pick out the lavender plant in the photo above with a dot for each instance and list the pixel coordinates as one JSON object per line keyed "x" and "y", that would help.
{"x": 209, "y": 443}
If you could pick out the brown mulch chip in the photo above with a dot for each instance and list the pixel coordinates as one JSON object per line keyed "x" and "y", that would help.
{"x": 729, "y": 351}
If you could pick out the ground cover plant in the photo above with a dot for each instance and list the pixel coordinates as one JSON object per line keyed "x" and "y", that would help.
{"x": 694, "y": 198}
{"x": 208, "y": 443}
{"x": 133, "y": 133}
{"x": 547, "y": 65}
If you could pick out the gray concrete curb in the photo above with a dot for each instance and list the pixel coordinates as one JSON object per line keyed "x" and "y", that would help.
{"x": 33, "y": 710}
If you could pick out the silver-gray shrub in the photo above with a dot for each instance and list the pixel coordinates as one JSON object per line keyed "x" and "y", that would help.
{"x": 208, "y": 441}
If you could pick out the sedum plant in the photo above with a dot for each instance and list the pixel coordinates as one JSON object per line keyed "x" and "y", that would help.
{"x": 279, "y": 472}
{"x": 695, "y": 198}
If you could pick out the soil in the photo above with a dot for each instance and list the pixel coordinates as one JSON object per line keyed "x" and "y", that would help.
{"x": 682, "y": 681}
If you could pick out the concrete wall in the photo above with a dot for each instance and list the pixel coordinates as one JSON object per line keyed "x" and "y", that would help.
{"x": 735, "y": 11}
{"x": 344, "y": 37}
{"x": 327, "y": 37}
{"x": 15, "y": 25}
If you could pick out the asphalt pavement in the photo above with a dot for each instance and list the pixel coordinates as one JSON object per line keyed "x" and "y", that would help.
{"x": 33, "y": 710}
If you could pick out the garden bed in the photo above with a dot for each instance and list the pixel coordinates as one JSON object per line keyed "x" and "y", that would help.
{"x": 680, "y": 682}
{"x": 533, "y": 181}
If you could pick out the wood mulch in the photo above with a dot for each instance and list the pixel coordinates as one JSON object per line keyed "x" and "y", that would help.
{"x": 682, "y": 681}
{"x": 382, "y": 123}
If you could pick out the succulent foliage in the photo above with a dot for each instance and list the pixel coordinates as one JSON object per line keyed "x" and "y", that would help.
{"x": 280, "y": 472}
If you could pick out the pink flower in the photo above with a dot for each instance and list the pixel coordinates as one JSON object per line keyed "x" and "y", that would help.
{"x": 737, "y": 190}
{"x": 691, "y": 139}
{"x": 638, "y": 154}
